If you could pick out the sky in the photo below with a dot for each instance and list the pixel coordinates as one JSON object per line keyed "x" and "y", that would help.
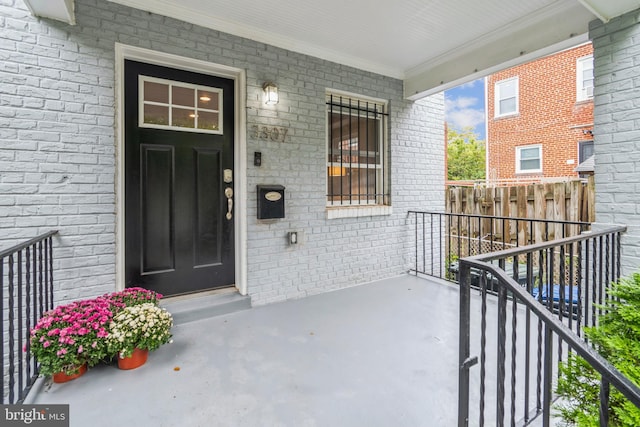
{"x": 464, "y": 106}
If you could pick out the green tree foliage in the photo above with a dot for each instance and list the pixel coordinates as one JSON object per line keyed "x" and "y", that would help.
{"x": 617, "y": 338}
{"x": 465, "y": 155}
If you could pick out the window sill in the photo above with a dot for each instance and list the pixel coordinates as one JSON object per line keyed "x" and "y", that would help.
{"x": 529, "y": 173}
{"x": 357, "y": 211}
{"x": 507, "y": 116}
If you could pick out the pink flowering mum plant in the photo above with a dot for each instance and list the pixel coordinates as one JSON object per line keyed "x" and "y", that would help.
{"x": 71, "y": 335}
{"x": 133, "y": 296}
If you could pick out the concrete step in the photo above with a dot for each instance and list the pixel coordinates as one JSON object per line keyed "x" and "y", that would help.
{"x": 198, "y": 306}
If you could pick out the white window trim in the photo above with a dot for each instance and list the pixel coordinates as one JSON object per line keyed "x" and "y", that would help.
{"x": 496, "y": 97}
{"x": 364, "y": 208}
{"x": 580, "y": 93}
{"x": 519, "y": 149}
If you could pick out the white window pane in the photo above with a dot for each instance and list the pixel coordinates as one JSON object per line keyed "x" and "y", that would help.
{"x": 506, "y": 97}
{"x": 529, "y": 153}
{"x": 507, "y": 105}
{"x": 508, "y": 90}
{"x": 530, "y": 164}
{"x": 584, "y": 79}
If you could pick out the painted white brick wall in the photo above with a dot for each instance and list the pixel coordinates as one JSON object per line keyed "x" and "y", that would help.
{"x": 57, "y": 162}
{"x": 57, "y": 154}
{"x": 617, "y": 129}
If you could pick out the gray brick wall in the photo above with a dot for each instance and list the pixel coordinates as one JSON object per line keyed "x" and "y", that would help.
{"x": 57, "y": 162}
{"x": 617, "y": 129}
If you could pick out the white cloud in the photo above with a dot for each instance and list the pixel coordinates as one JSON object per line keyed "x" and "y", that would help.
{"x": 460, "y": 112}
{"x": 465, "y": 117}
{"x": 460, "y": 103}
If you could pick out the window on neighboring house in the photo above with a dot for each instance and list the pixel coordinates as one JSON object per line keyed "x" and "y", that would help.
{"x": 585, "y": 150}
{"x": 357, "y": 166}
{"x": 506, "y": 97}
{"x": 584, "y": 78}
{"x": 529, "y": 159}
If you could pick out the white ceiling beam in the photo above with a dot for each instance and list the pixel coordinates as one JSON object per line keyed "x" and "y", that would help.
{"x": 606, "y": 10}
{"x": 60, "y": 10}
{"x": 482, "y": 57}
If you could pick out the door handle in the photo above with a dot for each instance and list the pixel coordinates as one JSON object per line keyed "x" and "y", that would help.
{"x": 228, "y": 192}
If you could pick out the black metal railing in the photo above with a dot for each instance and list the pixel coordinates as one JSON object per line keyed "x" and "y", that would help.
{"x": 440, "y": 239}
{"x": 521, "y": 335}
{"x": 26, "y": 292}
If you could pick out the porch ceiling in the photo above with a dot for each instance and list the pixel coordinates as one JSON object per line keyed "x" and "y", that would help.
{"x": 432, "y": 45}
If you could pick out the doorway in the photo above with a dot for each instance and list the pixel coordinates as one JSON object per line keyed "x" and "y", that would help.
{"x": 179, "y": 133}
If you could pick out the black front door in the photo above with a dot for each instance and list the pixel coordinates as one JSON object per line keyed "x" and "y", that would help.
{"x": 179, "y": 213}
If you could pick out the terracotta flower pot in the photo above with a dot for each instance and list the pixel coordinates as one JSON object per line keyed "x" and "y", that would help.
{"x": 137, "y": 359}
{"x": 61, "y": 377}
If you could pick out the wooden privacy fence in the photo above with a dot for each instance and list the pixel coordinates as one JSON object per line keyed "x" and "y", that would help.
{"x": 550, "y": 203}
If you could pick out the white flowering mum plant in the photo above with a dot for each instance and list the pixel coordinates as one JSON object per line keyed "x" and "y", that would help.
{"x": 145, "y": 326}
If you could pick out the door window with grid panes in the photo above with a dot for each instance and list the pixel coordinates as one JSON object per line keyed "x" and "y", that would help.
{"x": 172, "y": 105}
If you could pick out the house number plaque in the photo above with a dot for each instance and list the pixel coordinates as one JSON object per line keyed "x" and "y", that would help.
{"x": 269, "y": 133}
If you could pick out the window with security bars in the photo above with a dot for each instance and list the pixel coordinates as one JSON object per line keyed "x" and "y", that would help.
{"x": 357, "y": 168}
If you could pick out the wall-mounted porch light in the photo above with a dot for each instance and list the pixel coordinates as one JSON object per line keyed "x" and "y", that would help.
{"x": 270, "y": 93}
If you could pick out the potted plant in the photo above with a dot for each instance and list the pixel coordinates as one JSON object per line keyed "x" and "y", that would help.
{"x": 71, "y": 337}
{"x": 133, "y": 296}
{"x": 136, "y": 330}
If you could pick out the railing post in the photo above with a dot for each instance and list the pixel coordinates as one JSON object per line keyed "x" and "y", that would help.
{"x": 49, "y": 243}
{"x": 604, "y": 402}
{"x": 415, "y": 229}
{"x": 20, "y": 328}
{"x": 465, "y": 344}
{"x": 502, "y": 337}
{"x": 11, "y": 330}
{"x": 547, "y": 387}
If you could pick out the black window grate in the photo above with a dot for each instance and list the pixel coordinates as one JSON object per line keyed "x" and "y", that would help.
{"x": 357, "y": 170}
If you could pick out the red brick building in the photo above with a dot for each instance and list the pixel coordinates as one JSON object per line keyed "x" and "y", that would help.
{"x": 540, "y": 116}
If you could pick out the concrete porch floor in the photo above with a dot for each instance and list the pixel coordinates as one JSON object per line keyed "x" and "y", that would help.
{"x": 380, "y": 354}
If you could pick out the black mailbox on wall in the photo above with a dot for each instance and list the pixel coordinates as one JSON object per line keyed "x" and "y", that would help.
{"x": 270, "y": 201}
